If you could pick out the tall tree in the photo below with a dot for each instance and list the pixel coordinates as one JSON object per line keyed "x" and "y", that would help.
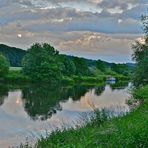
{"x": 141, "y": 57}
{"x": 40, "y": 62}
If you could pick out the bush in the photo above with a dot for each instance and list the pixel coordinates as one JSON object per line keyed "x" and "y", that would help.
{"x": 16, "y": 76}
{"x": 141, "y": 93}
{"x": 40, "y": 63}
{"x": 4, "y": 66}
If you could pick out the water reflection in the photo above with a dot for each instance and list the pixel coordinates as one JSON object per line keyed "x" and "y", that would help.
{"x": 28, "y": 110}
{"x": 41, "y": 102}
{"x": 3, "y": 93}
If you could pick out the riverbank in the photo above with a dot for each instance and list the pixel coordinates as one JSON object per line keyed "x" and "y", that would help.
{"x": 128, "y": 131}
{"x": 16, "y": 75}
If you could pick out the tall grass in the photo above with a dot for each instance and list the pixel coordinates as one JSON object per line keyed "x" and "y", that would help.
{"x": 127, "y": 131}
{"x": 101, "y": 131}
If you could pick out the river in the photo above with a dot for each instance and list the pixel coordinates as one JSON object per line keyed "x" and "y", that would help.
{"x": 29, "y": 111}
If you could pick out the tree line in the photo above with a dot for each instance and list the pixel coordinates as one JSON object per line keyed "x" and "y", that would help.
{"x": 13, "y": 55}
{"x": 43, "y": 62}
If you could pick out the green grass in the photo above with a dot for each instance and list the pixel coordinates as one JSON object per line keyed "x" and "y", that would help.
{"x": 89, "y": 79}
{"x": 141, "y": 94}
{"x": 15, "y": 68}
{"x": 130, "y": 131}
{"x": 16, "y": 76}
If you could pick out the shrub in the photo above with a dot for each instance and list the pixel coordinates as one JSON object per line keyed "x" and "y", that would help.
{"x": 4, "y": 66}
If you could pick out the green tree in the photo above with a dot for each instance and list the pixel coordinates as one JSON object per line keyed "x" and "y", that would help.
{"x": 4, "y": 66}
{"x": 81, "y": 67}
{"x": 68, "y": 66}
{"x": 40, "y": 63}
{"x": 14, "y": 55}
{"x": 140, "y": 55}
{"x": 101, "y": 65}
{"x": 120, "y": 69}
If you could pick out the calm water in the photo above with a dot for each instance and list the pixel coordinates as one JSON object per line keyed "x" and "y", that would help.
{"x": 34, "y": 110}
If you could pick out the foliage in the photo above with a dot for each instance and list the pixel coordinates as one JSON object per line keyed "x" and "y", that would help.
{"x": 40, "y": 63}
{"x": 88, "y": 79}
{"x": 119, "y": 85}
{"x": 141, "y": 94}
{"x": 81, "y": 67}
{"x": 141, "y": 73}
{"x": 14, "y": 55}
{"x": 101, "y": 65}
{"x": 141, "y": 57}
{"x": 16, "y": 76}
{"x": 4, "y": 66}
{"x": 145, "y": 24}
{"x": 68, "y": 66}
{"x": 3, "y": 93}
{"x": 130, "y": 131}
{"x": 120, "y": 69}
{"x": 43, "y": 62}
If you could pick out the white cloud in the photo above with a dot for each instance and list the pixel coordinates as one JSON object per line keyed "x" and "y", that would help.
{"x": 115, "y": 10}
{"x": 131, "y": 6}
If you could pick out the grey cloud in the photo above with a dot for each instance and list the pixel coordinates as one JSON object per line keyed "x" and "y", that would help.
{"x": 105, "y": 4}
{"x": 80, "y": 43}
{"x": 65, "y": 24}
{"x": 4, "y": 3}
{"x": 136, "y": 12}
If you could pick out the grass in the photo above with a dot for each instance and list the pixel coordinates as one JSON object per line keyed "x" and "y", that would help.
{"x": 15, "y": 68}
{"x": 89, "y": 79}
{"x": 16, "y": 76}
{"x": 130, "y": 131}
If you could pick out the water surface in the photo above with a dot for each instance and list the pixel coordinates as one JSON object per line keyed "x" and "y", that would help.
{"x": 34, "y": 110}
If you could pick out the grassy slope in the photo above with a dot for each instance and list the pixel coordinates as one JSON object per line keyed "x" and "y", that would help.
{"x": 128, "y": 131}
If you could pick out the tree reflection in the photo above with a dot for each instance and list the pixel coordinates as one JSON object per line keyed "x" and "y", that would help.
{"x": 3, "y": 93}
{"x": 41, "y": 101}
{"x": 99, "y": 90}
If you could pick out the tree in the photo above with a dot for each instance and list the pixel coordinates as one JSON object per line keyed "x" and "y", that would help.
{"x": 67, "y": 65}
{"x": 120, "y": 69}
{"x": 4, "y": 66}
{"x": 40, "y": 63}
{"x": 140, "y": 55}
{"x": 81, "y": 67}
{"x": 101, "y": 65}
{"x": 14, "y": 55}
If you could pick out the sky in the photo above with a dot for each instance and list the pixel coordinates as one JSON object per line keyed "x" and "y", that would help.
{"x": 94, "y": 29}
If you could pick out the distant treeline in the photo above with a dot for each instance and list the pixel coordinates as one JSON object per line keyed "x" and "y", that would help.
{"x": 14, "y": 55}
{"x": 47, "y": 60}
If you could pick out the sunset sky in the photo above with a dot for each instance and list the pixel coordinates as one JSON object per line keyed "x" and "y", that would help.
{"x": 97, "y": 29}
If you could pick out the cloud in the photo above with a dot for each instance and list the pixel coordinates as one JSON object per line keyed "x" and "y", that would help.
{"x": 73, "y": 24}
{"x": 80, "y": 43}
